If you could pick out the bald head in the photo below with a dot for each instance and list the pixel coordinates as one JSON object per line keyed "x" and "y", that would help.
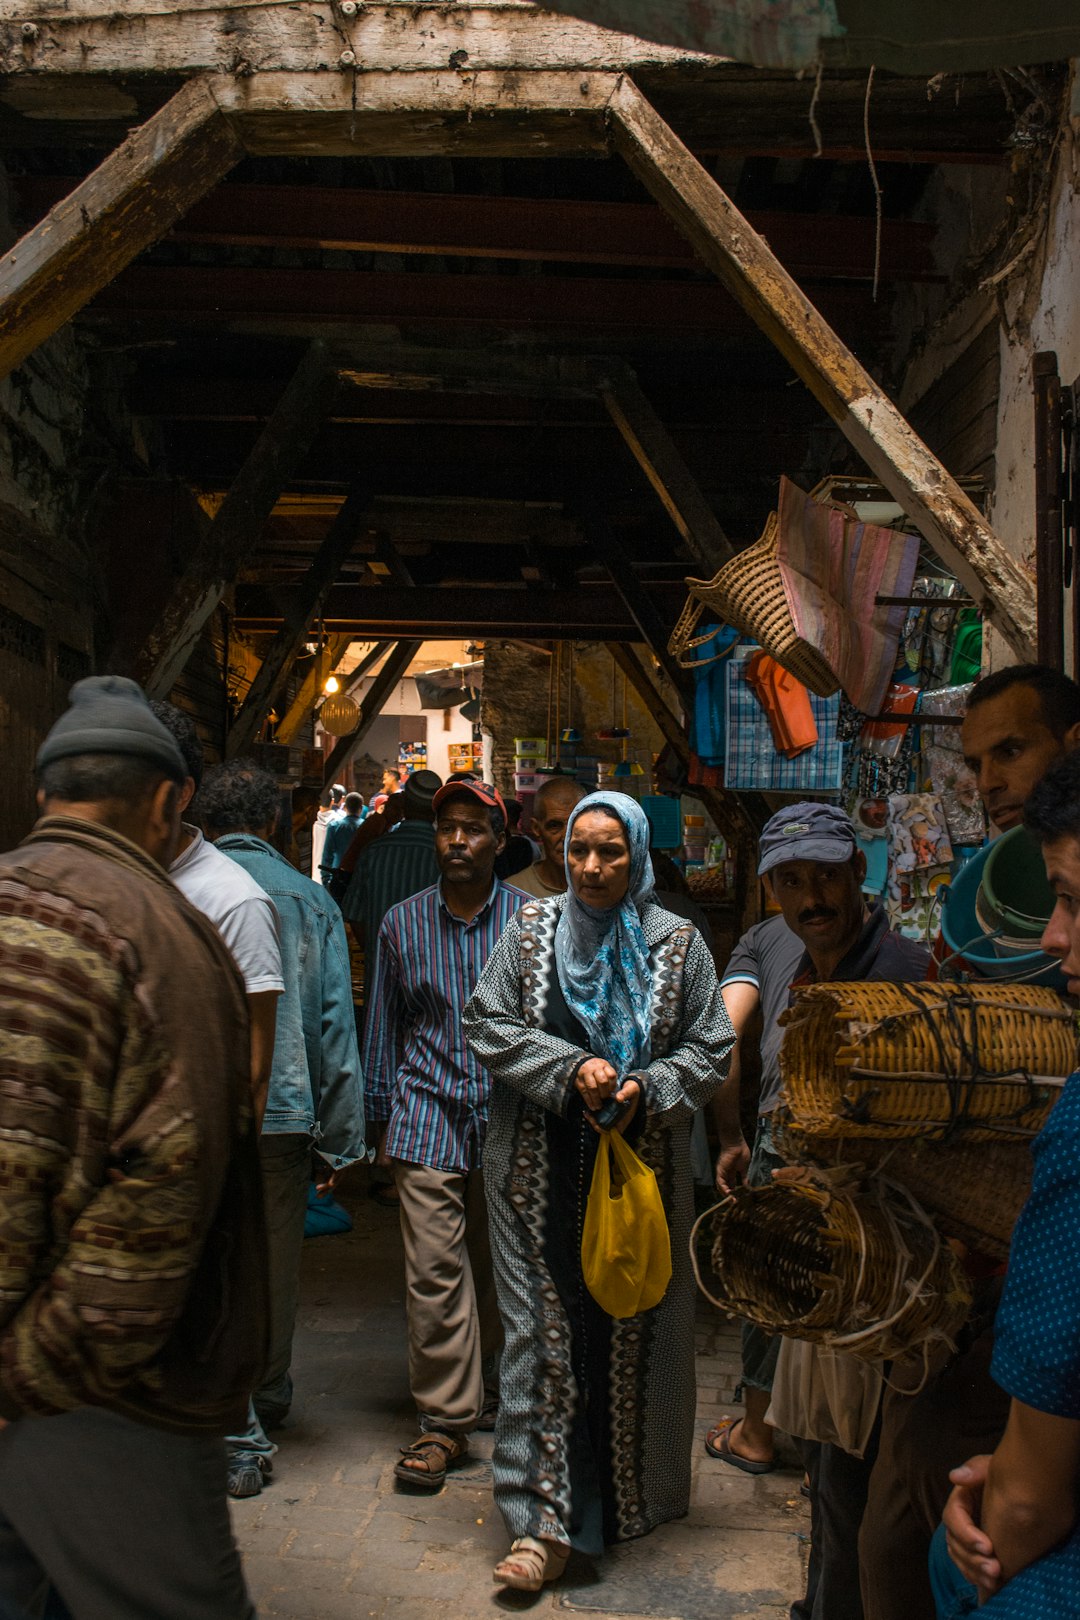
{"x": 551, "y": 811}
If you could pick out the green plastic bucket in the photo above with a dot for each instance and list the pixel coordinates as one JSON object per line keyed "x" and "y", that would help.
{"x": 1014, "y": 895}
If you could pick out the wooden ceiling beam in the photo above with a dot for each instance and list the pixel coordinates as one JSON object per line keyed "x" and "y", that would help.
{"x": 589, "y": 612}
{"x": 312, "y": 593}
{"x": 534, "y": 229}
{"x": 235, "y": 530}
{"x": 310, "y": 689}
{"x": 397, "y": 663}
{"x": 873, "y": 425}
{"x": 128, "y": 202}
{"x": 583, "y": 305}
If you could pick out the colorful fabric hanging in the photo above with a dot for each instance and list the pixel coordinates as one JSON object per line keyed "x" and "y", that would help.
{"x": 834, "y": 570}
{"x": 752, "y": 757}
{"x": 786, "y": 703}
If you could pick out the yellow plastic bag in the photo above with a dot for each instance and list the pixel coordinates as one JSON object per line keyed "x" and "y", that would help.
{"x": 625, "y": 1243}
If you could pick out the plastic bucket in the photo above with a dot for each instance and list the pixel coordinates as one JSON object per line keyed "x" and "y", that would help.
{"x": 965, "y": 937}
{"x": 1015, "y": 896}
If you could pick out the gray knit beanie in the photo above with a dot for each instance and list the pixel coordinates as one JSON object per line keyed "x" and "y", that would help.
{"x": 110, "y": 715}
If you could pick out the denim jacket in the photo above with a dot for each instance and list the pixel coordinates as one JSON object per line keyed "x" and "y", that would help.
{"x": 316, "y": 1084}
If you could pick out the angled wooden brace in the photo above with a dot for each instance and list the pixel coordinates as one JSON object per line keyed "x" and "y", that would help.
{"x": 862, "y": 410}
{"x": 308, "y": 604}
{"x": 127, "y": 203}
{"x": 401, "y": 656}
{"x": 214, "y": 564}
{"x": 311, "y": 686}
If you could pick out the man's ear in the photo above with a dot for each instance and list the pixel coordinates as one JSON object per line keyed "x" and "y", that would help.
{"x": 39, "y": 799}
{"x": 1071, "y": 738}
{"x": 858, "y": 861}
{"x": 187, "y": 793}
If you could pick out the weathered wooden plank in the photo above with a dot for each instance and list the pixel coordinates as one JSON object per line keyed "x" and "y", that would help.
{"x": 334, "y": 650}
{"x": 639, "y": 601}
{"x": 655, "y": 452}
{"x": 861, "y": 409}
{"x": 215, "y": 564}
{"x": 397, "y": 662}
{"x": 128, "y": 202}
{"x": 312, "y": 593}
{"x": 309, "y": 35}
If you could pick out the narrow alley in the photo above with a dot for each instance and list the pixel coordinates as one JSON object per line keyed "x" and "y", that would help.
{"x": 330, "y": 1538}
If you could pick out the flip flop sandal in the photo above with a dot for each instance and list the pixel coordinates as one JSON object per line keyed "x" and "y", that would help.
{"x": 427, "y": 1448}
{"x": 718, "y": 1445}
{"x": 530, "y": 1564}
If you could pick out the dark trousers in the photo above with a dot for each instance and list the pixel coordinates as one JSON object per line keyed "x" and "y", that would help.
{"x": 959, "y": 1414}
{"x": 125, "y": 1521}
{"x": 838, "y": 1489}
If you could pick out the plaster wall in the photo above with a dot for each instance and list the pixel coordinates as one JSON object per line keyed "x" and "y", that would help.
{"x": 1042, "y": 311}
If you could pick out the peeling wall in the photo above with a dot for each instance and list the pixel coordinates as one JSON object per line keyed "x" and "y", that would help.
{"x": 47, "y": 587}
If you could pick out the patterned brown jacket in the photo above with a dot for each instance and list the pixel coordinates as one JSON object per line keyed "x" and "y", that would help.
{"x": 132, "y": 1254}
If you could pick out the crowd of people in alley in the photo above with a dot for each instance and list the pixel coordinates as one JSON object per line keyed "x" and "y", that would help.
{"x": 184, "y": 1070}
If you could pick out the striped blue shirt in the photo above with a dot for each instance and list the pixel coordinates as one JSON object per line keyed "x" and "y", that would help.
{"x": 420, "y": 1075}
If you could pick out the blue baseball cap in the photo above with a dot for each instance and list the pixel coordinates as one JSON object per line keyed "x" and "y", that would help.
{"x": 806, "y": 832}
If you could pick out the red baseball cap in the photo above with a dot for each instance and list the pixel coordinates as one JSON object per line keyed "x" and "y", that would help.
{"x": 488, "y": 795}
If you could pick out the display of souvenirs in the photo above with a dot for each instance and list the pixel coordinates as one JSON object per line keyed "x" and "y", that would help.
{"x": 945, "y": 770}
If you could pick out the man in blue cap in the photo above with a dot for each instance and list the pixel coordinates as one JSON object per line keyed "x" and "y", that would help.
{"x": 827, "y": 930}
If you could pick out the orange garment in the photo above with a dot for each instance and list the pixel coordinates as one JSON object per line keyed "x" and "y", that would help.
{"x": 786, "y": 703}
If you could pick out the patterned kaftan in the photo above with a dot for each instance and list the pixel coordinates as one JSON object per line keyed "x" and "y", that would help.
{"x": 593, "y": 1441}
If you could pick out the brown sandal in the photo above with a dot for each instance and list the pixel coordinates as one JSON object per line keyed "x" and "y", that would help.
{"x": 435, "y": 1454}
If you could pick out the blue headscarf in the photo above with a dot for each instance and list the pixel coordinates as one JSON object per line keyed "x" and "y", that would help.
{"x": 602, "y": 955}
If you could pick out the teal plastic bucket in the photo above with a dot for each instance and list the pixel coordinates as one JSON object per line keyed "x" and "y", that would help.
{"x": 965, "y": 937}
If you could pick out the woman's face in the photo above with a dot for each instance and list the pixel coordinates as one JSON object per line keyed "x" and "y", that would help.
{"x": 598, "y": 859}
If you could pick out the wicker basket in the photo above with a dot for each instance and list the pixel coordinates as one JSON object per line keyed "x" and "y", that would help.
{"x": 867, "y": 1274}
{"x": 974, "y": 1191}
{"x": 930, "y": 1060}
{"x": 748, "y": 593}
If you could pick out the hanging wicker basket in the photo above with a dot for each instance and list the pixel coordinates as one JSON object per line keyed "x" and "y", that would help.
{"x": 985, "y": 1062}
{"x": 974, "y": 1190}
{"x": 865, "y": 1273}
{"x": 748, "y": 593}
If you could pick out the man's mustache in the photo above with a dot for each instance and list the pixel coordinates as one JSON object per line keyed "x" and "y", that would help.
{"x": 816, "y": 916}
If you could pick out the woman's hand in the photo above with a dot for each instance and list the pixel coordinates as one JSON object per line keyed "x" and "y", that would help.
{"x": 596, "y": 1080}
{"x": 970, "y": 1548}
{"x": 629, "y": 1092}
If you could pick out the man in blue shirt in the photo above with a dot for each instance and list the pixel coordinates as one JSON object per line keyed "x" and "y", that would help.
{"x": 430, "y": 1095}
{"x": 315, "y": 1097}
{"x": 340, "y": 831}
{"x": 1012, "y": 1522}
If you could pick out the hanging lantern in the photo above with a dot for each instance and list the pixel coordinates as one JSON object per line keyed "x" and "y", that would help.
{"x": 339, "y": 715}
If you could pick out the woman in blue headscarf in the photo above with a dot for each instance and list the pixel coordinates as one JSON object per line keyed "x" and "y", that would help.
{"x": 592, "y": 994}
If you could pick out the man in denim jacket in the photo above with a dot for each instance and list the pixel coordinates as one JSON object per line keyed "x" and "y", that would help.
{"x": 316, "y": 1087}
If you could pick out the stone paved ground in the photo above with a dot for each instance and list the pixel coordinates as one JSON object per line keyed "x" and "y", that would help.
{"x": 331, "y": 1539}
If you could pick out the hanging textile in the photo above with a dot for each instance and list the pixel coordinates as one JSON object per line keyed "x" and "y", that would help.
{"x": 707, "y": 723}
{"x": 833, "y": 571}
{"x": 752, "y": 759}
{"x": 786, "y": 703}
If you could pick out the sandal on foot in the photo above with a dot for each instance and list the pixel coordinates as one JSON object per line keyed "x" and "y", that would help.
{"x": 718, "y": 1444}
{"x": 434, "y": 1454}
{"x": 530, "y": 1564}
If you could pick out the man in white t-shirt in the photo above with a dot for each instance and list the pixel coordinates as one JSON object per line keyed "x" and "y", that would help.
{"x": 241, "y": 912}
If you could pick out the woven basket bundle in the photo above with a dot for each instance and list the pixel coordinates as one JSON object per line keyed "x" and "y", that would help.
{"x": 974, "y": 1190}
{"x": 867, "y": 1274}
{"x": 748, "y": 593}
{"x": 930, "y": 1060}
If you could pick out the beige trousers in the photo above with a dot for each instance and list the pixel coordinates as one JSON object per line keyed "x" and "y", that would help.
{"x": 453, "y": 1318}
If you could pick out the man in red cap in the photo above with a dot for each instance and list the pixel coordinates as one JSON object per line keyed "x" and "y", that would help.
{"x": 429, "y": 1095}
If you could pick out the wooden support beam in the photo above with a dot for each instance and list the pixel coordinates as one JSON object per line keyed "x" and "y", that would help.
{"x": 638, "y": 601}
{"x": 588, "y": 612}
{"x": 398, "y": 660}
{"x": 652, "y": 447}
{"x": 239, "y": 522}
{"x": 944, "y": 515}
{"x": 309, "y": 603}
{"x": 548, "y": 230}
{"x": 127, "y": 203}
{"x": 326, "y": 663}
